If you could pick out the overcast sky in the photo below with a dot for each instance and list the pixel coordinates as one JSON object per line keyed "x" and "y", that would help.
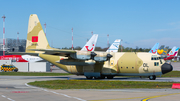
{"x": 139, "y": 23}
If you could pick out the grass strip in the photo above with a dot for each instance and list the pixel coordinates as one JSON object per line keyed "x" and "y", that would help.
{"x": 98, "y": 84}
{"x": 32, "y": 74}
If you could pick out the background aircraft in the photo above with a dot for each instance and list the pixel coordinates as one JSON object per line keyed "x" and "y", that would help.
{"x": 162, "y": 50}
{"x": 154, "y": 48}
{"x": 21, "y": 58}
{"x": 114, "y": 46}
{"x": 91, "y": 44}
{"x": 172, "y": 54}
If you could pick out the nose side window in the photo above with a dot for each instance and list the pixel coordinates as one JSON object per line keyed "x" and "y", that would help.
{"x": 154, "y": 63}
{"x": 157, "y": 63}
{"x": 160, "y": 61}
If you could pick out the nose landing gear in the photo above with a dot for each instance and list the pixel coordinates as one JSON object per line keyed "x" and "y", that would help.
{"x": 152, "y": 77}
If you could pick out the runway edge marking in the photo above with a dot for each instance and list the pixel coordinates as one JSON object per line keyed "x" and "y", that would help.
{"x": 55, "y": 92}
{"x": 7, "y": 98}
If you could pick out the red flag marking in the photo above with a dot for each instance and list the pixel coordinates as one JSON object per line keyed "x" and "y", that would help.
{"x": 34, "y": 38}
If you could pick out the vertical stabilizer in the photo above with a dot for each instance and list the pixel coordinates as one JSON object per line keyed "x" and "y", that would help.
{"x": 161, "y": 50}
{"x": 176, "y": 51}
{"x": 91, "y": 44}
{"x": 36, "y": 38}
{"x": 115, "y": 46}
{"x": 154, "y": 48}
{"x": 173, "y": 51}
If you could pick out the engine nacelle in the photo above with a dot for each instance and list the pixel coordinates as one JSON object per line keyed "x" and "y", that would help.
{"x": 86, "y": 55}
{"x": 81, "y": 55}
{"x": 102, "y": 56}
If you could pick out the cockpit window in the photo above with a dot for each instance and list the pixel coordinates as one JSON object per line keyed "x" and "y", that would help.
{"x": 160, "y": 61}
{"x": 154, "y": 57}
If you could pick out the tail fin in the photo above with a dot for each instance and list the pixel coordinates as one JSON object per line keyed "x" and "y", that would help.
{"x": 165, "y": 52}
{"x": 161, "y": 47}
{"x": 36, "y": 38}
{"x": 115, "y": 46}
{"x": 160, "y": 50}
{"x": 176, "y": 51}
{"x": 173, "y": 51}
{"x": 91, "y": 44}
{"x": 154, "y": 48}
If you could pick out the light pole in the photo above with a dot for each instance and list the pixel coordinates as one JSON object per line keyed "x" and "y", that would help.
{"x": 3, "y": 34}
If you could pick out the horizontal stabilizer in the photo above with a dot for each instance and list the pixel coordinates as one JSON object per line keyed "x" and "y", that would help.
{"x": 59, "y": 52}
{"x": 22, "y": 53}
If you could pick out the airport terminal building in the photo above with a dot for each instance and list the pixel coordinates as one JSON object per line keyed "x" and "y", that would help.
{"x": 13, "y": 45}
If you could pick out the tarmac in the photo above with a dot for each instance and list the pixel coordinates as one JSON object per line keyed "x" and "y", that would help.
{"x": 15, "y": 88}
{"x": 176, "y": 66}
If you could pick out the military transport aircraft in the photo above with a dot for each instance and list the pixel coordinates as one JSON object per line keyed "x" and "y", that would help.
{"x": 93, "y": 64}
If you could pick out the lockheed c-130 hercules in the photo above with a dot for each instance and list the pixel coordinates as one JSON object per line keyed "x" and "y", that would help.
{"x": 94, "y": 64}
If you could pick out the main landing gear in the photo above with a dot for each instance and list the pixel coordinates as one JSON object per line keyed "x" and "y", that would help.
{"x": 110, "y": 77}
{"x": 89, "y": 77}
{"x": 152, "y": 77}
{"x": 101, "y": 77}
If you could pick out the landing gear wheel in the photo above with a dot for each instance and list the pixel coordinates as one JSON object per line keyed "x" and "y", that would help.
{"x": 102, "y": 77}
{"x": 97, "y": 77}
{"x": 110, "y": 77}
{"x": 89, "y": 77}
{"x": 152, "y": 77}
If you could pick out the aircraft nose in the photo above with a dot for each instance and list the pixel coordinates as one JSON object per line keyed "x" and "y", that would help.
{"x": 166, "y": 68}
